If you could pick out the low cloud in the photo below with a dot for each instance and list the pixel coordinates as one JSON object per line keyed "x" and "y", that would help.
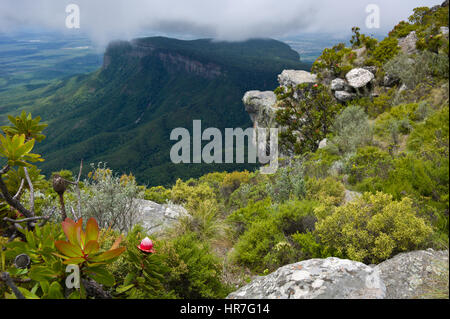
{"x": 233, "y": 20}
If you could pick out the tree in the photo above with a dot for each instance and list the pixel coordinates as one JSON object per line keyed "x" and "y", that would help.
{"x": 305, "y": 115}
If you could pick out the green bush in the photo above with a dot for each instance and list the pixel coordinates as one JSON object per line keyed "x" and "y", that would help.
{"x": 327, "y": 189}
{"x": 191, "y": 195}
{"x": 242, "y": 218}
{"x": 351, "y": 130}
{"x": 319, "y": 163}
{"x": 311, "y": 116}
{"x": 255, "y": 191}
{"x": 109, "y": 198}
{"x": 337, "y": 60}
{"x": 199, "y": 270}
{"x": 255, "y": 246}
{"x": 421, "y": 68}
{"x": 386, "y": 50}
{"x": 310, "y": 247}
{"x": 158, "y": 194}
{"x": 287, "y": 183}
{"x": 295, "y": 217}
{"x": 374, "y": 228}
{"x": 369, "y": 161}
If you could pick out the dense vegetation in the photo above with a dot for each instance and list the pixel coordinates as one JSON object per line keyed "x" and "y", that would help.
{"x": 392, "y": 148}
{"x": 123, "y": 114}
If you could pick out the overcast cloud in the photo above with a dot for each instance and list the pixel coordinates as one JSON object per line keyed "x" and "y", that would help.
{"x": 104, "y": 20}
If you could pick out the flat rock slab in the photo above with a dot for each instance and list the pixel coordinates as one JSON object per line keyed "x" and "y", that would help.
{"x": 330, "y": 278}
{"x": 412, "y": 275}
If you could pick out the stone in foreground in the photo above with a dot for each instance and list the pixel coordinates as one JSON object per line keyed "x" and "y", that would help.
{"x": 413, "y": 274}
{"x": 358, "y": 78}
{"x": 330, "y": 278}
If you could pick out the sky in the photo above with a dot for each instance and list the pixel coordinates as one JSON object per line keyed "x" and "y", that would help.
{"x": 229, "y": 20}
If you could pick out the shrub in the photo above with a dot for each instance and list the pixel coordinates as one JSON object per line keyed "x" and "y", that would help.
{"x": 402, "y": 29}
{"x": 267, "y": 241}
{"x": 369, "y": 161}
{"x": 319, "y": 163}
{"x": 191, "y": 195}
{"x": 255, "y": 245}
{"x": 109, "y": 199}
{"x": 374, "y": 228}
{"x": 386, "y": 50}
{"x": 351, "y": 130}
{"x": 158, "y": 194}
{"x": 242, "y": 218}
{"x": 417, "y": 69}
{"x": 255, "y": 191}
{"x": 328, "y": 189}
{"x": 200, "y": 275}
{"x": 308, "y": 120}
{"x": 333, "y": 60}
{"x": 310, "y": 247}
{"x": 232, "y": 181}
{"x": 295, "y": 217}
{"x": 287, "y": 184}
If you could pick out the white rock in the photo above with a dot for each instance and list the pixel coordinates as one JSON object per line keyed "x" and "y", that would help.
{"x": 256, "y": 102}
{"x": 358, "y": 78}
{"x": 338, "y": 85}
{"x": 344, "y": 96}
{"x": 154, "y": 217}
{"x": 295, "y": 77}
{"x": 330, "y": 278}
{"x": 323, "y": 144}
{"x": 408, "y": 43}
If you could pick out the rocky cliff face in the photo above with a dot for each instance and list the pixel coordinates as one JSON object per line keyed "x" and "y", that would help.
{"x": 408, "y": 275}
{"x": 172, "y": 61}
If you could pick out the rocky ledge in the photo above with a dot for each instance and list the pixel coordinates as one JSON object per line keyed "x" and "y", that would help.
{"x": 405, "y": 276}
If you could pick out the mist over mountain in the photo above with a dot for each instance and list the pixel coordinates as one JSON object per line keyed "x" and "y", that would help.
{"x": 124, "y": 112}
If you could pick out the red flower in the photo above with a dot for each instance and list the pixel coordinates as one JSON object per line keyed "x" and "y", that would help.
{"x": 146, "y": 246}
{"x": 316, "y": 85}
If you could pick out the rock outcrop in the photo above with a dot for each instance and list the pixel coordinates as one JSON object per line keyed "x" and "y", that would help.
{"x": 330, "y": 278}
{"x": 408, "y": 43}
{"x": 401, "y": 277}
{"x": 155, "y": 218}
{"x": 412, "y": 275}
{"x": 258, "y": 103}
{"x": 295, "y": 77}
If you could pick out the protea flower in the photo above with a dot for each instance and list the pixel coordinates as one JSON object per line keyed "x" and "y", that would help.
{"x": 146, "y": 245}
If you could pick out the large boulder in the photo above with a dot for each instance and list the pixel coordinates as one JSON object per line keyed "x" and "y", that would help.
{"x": 408, "y": 43}
{"x": 155, "y": 218}
{"x": 330, "y": 278}
{"x": 295, "y": 77}
{"x": 413, "y": 274}
{"x": 358, "y": 78}
{"x": 258, "y": 103}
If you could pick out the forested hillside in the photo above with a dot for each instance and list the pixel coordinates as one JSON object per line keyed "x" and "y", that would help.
{"x": 123, "y": 113}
